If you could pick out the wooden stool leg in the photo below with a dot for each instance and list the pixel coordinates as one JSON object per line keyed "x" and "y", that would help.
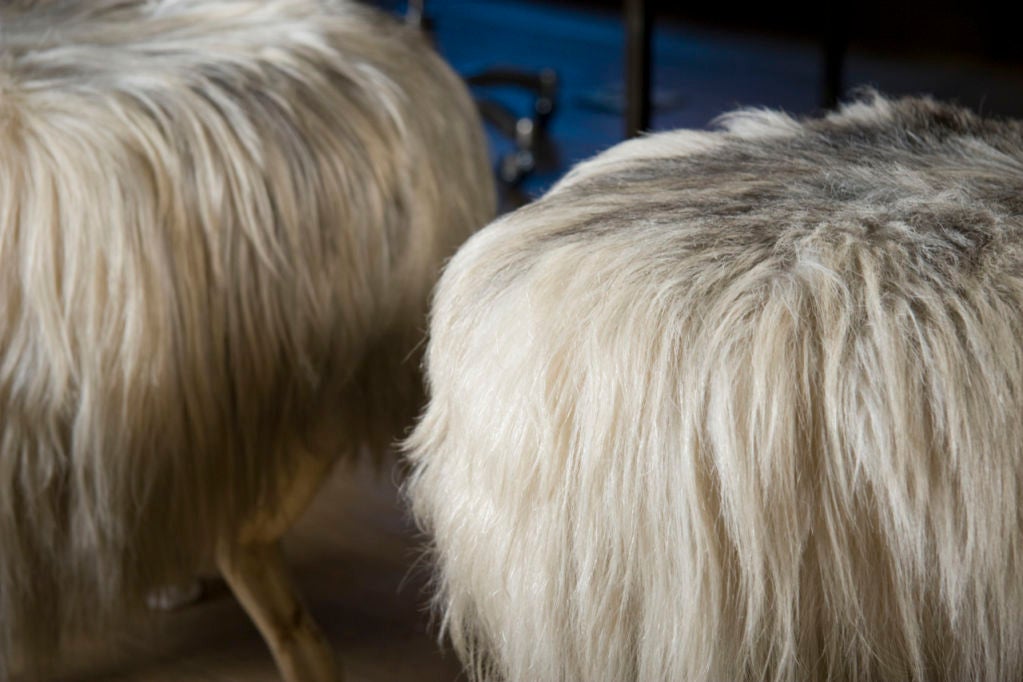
{"x": 254, "y": 568}
{"x": 259, "y": 579}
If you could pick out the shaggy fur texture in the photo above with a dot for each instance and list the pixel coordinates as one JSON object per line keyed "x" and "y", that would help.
{"x": 740, "y": 405}
{"x": 220, "y": 221}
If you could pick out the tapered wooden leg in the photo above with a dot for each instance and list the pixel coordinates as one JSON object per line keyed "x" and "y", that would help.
{"x": 259, "y": 579}
{"x": 254, "y": 568}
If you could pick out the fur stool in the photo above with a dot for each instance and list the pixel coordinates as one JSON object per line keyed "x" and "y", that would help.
{"x": 220, "y": 221}
{"x": 740, "y": 405}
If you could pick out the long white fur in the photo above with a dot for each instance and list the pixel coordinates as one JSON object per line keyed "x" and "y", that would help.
{"x": 220, "y": 221}
{"x": 740, "y": 405}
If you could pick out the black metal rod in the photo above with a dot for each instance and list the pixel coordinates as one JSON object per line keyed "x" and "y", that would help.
{"x": 638, "y": 30}
{"x": 834, "y": 46}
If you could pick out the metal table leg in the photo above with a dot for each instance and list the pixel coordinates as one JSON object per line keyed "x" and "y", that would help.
{"x": 638, "y": 31}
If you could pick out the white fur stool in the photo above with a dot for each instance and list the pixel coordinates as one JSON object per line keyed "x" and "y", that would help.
{"x": 220, "y": 221}
{"x": 740, "y": 405}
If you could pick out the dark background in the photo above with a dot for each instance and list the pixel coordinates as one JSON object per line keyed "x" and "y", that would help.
{"x": 984, "y": 29}
{"x": 712, "y": 57}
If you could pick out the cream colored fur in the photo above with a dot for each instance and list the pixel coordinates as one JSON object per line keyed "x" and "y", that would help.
{"x": 220, "y": 221}
{"x": 740, "y": 405}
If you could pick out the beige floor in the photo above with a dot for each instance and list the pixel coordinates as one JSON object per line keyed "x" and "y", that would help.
{"x": 351, "y": 556}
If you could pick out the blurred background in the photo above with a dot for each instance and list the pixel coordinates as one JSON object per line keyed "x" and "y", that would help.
{"x": 706, "y": 59}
